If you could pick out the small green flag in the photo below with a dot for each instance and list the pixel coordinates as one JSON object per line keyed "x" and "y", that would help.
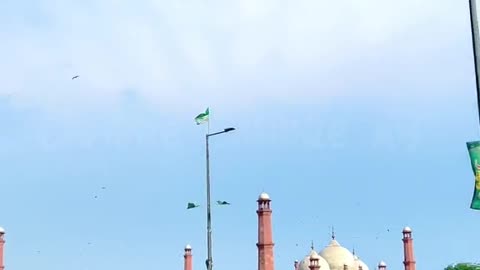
{"x": 192, "y": 205}
{"x": 203, "y": 117}
{"x": 223, "y": 203}
{"x": 474, "y": 152}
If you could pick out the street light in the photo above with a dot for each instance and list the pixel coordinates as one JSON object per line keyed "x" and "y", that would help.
{"x": 209, "y": 261}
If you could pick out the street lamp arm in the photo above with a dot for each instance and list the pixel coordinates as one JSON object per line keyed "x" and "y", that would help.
{"x": 220, "y": 132}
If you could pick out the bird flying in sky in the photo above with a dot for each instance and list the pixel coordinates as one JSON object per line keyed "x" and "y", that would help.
{"x": 74, "y": 77}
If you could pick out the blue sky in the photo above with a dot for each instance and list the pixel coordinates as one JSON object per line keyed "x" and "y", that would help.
{"x": 353, "y": 115}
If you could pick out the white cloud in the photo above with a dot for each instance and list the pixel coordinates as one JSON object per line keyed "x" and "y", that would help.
{"x": 195, "y": 52}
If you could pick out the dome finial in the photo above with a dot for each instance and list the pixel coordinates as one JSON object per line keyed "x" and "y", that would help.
{"x": 353, "y": 250}
{"x": 333, "y": 233}
{"x": 312, "y": 246}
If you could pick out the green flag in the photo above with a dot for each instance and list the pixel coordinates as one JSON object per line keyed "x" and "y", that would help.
{"x": 192, "y": 205}
{"x": 203, "y": 117}
{"x": 474, "y": 152}
{"x": 223, "y": 203}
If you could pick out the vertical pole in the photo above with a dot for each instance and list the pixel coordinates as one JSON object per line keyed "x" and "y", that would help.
{"x": 475, "y": 37}
{"x": 2, "y": 242}
{"x": 209, "y": 216}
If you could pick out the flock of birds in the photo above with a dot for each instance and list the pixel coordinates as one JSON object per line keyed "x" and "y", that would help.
{"x": 96, "y": 196}
{"x": 190, "y": 205}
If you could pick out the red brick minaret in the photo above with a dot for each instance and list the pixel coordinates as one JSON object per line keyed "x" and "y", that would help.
{"x": 409, "y": 260}
{"x": 314, "y": 261}
{"x": 188, "y": 258}
{"x": 382, "y": 265}
{"x": 295, "y": 265}
{"x": 2, "y": 242}
{"x": 265, "y": 238}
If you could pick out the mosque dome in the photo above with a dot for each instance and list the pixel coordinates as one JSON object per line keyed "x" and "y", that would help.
{"x": 305, "y": 263}
{"x": 188, "y": 247}
{"x": 2, "y": 230}
{"x": 264, "y": 197}
{"x": 357, "y": 263}
{"x": 407, "y": 230}
{"x": 337, "y": 256}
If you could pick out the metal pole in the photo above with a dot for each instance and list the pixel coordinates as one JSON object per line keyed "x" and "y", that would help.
{"x": 475, "y": 37}
{"x": 209, "y": 216}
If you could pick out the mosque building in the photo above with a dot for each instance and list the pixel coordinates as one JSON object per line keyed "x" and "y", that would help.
{"x": 332, "y": 257}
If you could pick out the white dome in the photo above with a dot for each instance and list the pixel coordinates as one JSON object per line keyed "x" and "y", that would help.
{"x": 188, "y": 247}
{"x": 337, "y": 256}
{"x": 305, "y": 263}
{"x": 407, "y": 230}
{"x": 382, "y": 263}
{"x": 2, "y": 230}
{"x": 264, "y": 197}
{"x": 357, "y": 263}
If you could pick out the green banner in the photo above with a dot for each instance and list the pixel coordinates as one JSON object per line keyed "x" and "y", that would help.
{"x": 474, "y": 152}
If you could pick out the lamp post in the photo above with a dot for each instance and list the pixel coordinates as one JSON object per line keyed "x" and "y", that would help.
{"x": 209, "y": 261}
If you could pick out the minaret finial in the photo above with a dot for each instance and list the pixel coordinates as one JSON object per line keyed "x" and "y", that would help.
{"x": 353, "y": 250}
{"x": 333, "y": 233}
{"x": 312, "y": 246}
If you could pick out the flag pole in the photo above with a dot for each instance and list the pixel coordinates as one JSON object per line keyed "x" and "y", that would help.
{"x": 209, "y": 260}
{"x": 208, "y": 121}
{"x": 475, "y": 39}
